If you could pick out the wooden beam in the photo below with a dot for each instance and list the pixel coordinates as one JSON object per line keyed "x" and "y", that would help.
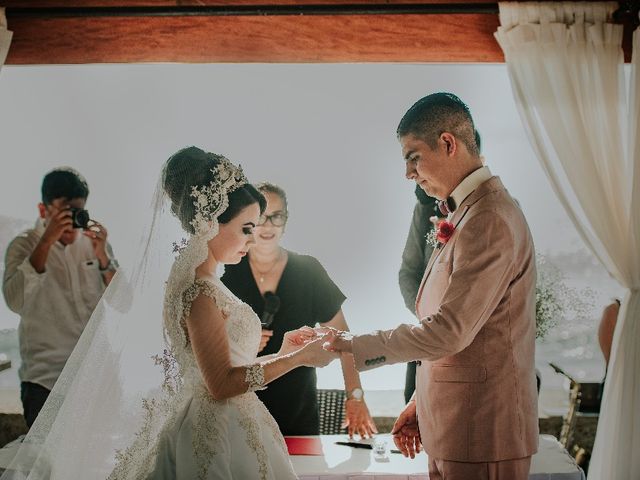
{"x": 120, "y": 31}
{"x": 224, "y": 3}
{"x": 318, "y": 38}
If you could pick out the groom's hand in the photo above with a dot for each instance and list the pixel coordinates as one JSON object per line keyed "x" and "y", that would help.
{"x": 337, "y": 340}
{"x": 406, "y": 433}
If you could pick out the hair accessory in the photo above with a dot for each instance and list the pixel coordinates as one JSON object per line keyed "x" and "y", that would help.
{"x": 211, "y": 200}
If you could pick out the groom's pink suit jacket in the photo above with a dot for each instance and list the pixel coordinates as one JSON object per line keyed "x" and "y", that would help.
{"x": 475, "y": 386}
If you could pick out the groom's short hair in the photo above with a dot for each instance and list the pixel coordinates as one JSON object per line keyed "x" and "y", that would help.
{"x": 437, "y": 113}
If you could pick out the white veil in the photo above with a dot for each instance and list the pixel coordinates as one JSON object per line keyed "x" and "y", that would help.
{"x": 113, "y": 389}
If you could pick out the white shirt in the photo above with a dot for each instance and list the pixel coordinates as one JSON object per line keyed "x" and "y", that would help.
{"x": 54, "y": 306}
{"x": 469, "y": 184}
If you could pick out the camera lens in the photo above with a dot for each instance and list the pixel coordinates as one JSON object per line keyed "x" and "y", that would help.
{"x": 80, "y": 218}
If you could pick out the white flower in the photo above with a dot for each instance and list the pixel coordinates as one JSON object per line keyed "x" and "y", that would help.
{"x": 554, "y": 300}
{"x": 432, "y": 238}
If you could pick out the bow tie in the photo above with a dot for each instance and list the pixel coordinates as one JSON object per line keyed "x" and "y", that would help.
{"x": 447, "y": 206}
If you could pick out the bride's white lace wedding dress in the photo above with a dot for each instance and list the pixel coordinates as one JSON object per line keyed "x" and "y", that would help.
{"x": 189, "y": 435}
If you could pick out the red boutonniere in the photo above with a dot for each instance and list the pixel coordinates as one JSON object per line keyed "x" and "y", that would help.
{"x": 441, "y": 234}
{"x": 444, "y": 231}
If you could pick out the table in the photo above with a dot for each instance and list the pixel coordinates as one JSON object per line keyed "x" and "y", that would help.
{"x": 340, "y": 462}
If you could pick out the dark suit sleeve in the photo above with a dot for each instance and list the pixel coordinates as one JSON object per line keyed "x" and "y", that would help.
{"x": 414, "y": 256}
{"x": 482, "y": 270}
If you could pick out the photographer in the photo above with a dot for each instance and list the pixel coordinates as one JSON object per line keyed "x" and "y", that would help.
{"x": 55, "y": 275}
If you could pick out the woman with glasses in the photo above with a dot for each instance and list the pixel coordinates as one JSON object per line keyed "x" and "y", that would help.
{"x": 304, "y": 295}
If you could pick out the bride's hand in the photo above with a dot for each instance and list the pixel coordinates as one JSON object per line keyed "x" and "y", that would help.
{"x": 313, "y": 353}
{"x": 296, "y": 339}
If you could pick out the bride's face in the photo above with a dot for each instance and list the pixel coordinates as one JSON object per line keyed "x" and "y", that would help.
{"x": 234, "y": 238}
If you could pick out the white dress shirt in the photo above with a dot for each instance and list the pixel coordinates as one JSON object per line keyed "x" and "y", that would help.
{"x": 469, "y": 184}
{"x": 54, "y": 306}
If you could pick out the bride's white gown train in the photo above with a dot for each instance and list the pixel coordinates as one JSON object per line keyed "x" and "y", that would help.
{"x": 199, "y": 437}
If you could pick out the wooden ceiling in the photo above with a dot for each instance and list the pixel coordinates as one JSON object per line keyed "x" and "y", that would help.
{"x": 122, "y": 31}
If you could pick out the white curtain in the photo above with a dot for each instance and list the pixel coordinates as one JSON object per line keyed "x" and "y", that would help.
{"x": 565, "y": 63}
{"x": 5, "y": 37}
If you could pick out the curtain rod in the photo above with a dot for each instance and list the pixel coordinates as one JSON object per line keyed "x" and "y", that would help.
{"x": 253, "y": 10}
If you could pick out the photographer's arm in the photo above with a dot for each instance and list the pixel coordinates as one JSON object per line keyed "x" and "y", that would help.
{"x": 108, "y": 266}
{"x": 38, "y": 257}
{"x": 98, "y": 234}
{"x": 59, "y": 222}
{"x": 21, "y": 279}
{"x": 13, "y": 281}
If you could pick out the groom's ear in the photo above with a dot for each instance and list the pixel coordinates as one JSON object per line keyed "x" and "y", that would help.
{"x": 449, "y": 142}
{"x": 42, "y": 210}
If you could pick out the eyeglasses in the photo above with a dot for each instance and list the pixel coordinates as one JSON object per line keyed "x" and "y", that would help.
{"x": 277, "y": 219}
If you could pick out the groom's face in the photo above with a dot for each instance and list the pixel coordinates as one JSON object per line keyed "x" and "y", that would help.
{"x": 424, "y": 165}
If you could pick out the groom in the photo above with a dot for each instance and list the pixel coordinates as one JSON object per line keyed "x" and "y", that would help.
{"x": 475, "y": 406}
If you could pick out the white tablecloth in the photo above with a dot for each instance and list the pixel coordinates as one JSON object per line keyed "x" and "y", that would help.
{"x": 340, "y": 462}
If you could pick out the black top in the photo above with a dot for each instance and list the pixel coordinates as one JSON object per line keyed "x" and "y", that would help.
{"x": 307, "y": 296}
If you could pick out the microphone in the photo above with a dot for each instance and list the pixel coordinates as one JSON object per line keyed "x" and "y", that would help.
{"x": 271, "y": 307}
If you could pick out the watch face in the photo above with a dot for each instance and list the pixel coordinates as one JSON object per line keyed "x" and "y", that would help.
{"x": 357, "y": 394}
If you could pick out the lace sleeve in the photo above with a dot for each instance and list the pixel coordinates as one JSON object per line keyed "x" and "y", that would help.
{"x": 254, "y": 377}
{"x": 208, "y": 289}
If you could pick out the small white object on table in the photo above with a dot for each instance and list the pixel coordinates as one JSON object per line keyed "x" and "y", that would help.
{"x": 341, "y": 462}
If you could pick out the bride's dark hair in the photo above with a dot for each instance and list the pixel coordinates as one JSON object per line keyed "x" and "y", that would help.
{"x": 191, "y": 167}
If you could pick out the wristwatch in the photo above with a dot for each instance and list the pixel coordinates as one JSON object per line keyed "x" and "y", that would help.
{"x": 356, "y": 394}
{"x": 112, "y": 266}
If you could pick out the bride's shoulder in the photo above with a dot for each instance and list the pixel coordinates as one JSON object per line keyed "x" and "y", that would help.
{"x": 204, "y": 286}
{"x": 211, "y": 288}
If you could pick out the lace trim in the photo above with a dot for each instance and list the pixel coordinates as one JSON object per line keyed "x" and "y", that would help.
{"x": 241, "y": 331}
{"x": 206, "y": 435}
{"x": 138, "y": 459}
{"x": 270, "y": 422}
{"x": 254, "y": 377}
{"x": 204, "y": 287}
{"x": 171, "y": 369}
{"x": 159, "y": 412}
{"x": 252, "y": 429}
{"x": 211, "y": 200}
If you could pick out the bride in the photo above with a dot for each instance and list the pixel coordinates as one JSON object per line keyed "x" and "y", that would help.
{"x": 133, "y": 405}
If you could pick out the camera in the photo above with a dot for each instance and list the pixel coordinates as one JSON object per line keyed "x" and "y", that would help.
{"x": 80, "y": 218}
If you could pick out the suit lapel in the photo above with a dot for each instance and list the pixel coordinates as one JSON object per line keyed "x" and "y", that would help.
{"x": 490, "y": 185}
{"x": 457, "y": 216}
{"x": 455, "y": 220}
{"x": 434, "y": 255}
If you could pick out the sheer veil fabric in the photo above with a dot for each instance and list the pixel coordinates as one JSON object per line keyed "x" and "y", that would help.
{"x": 116, "y": 386}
